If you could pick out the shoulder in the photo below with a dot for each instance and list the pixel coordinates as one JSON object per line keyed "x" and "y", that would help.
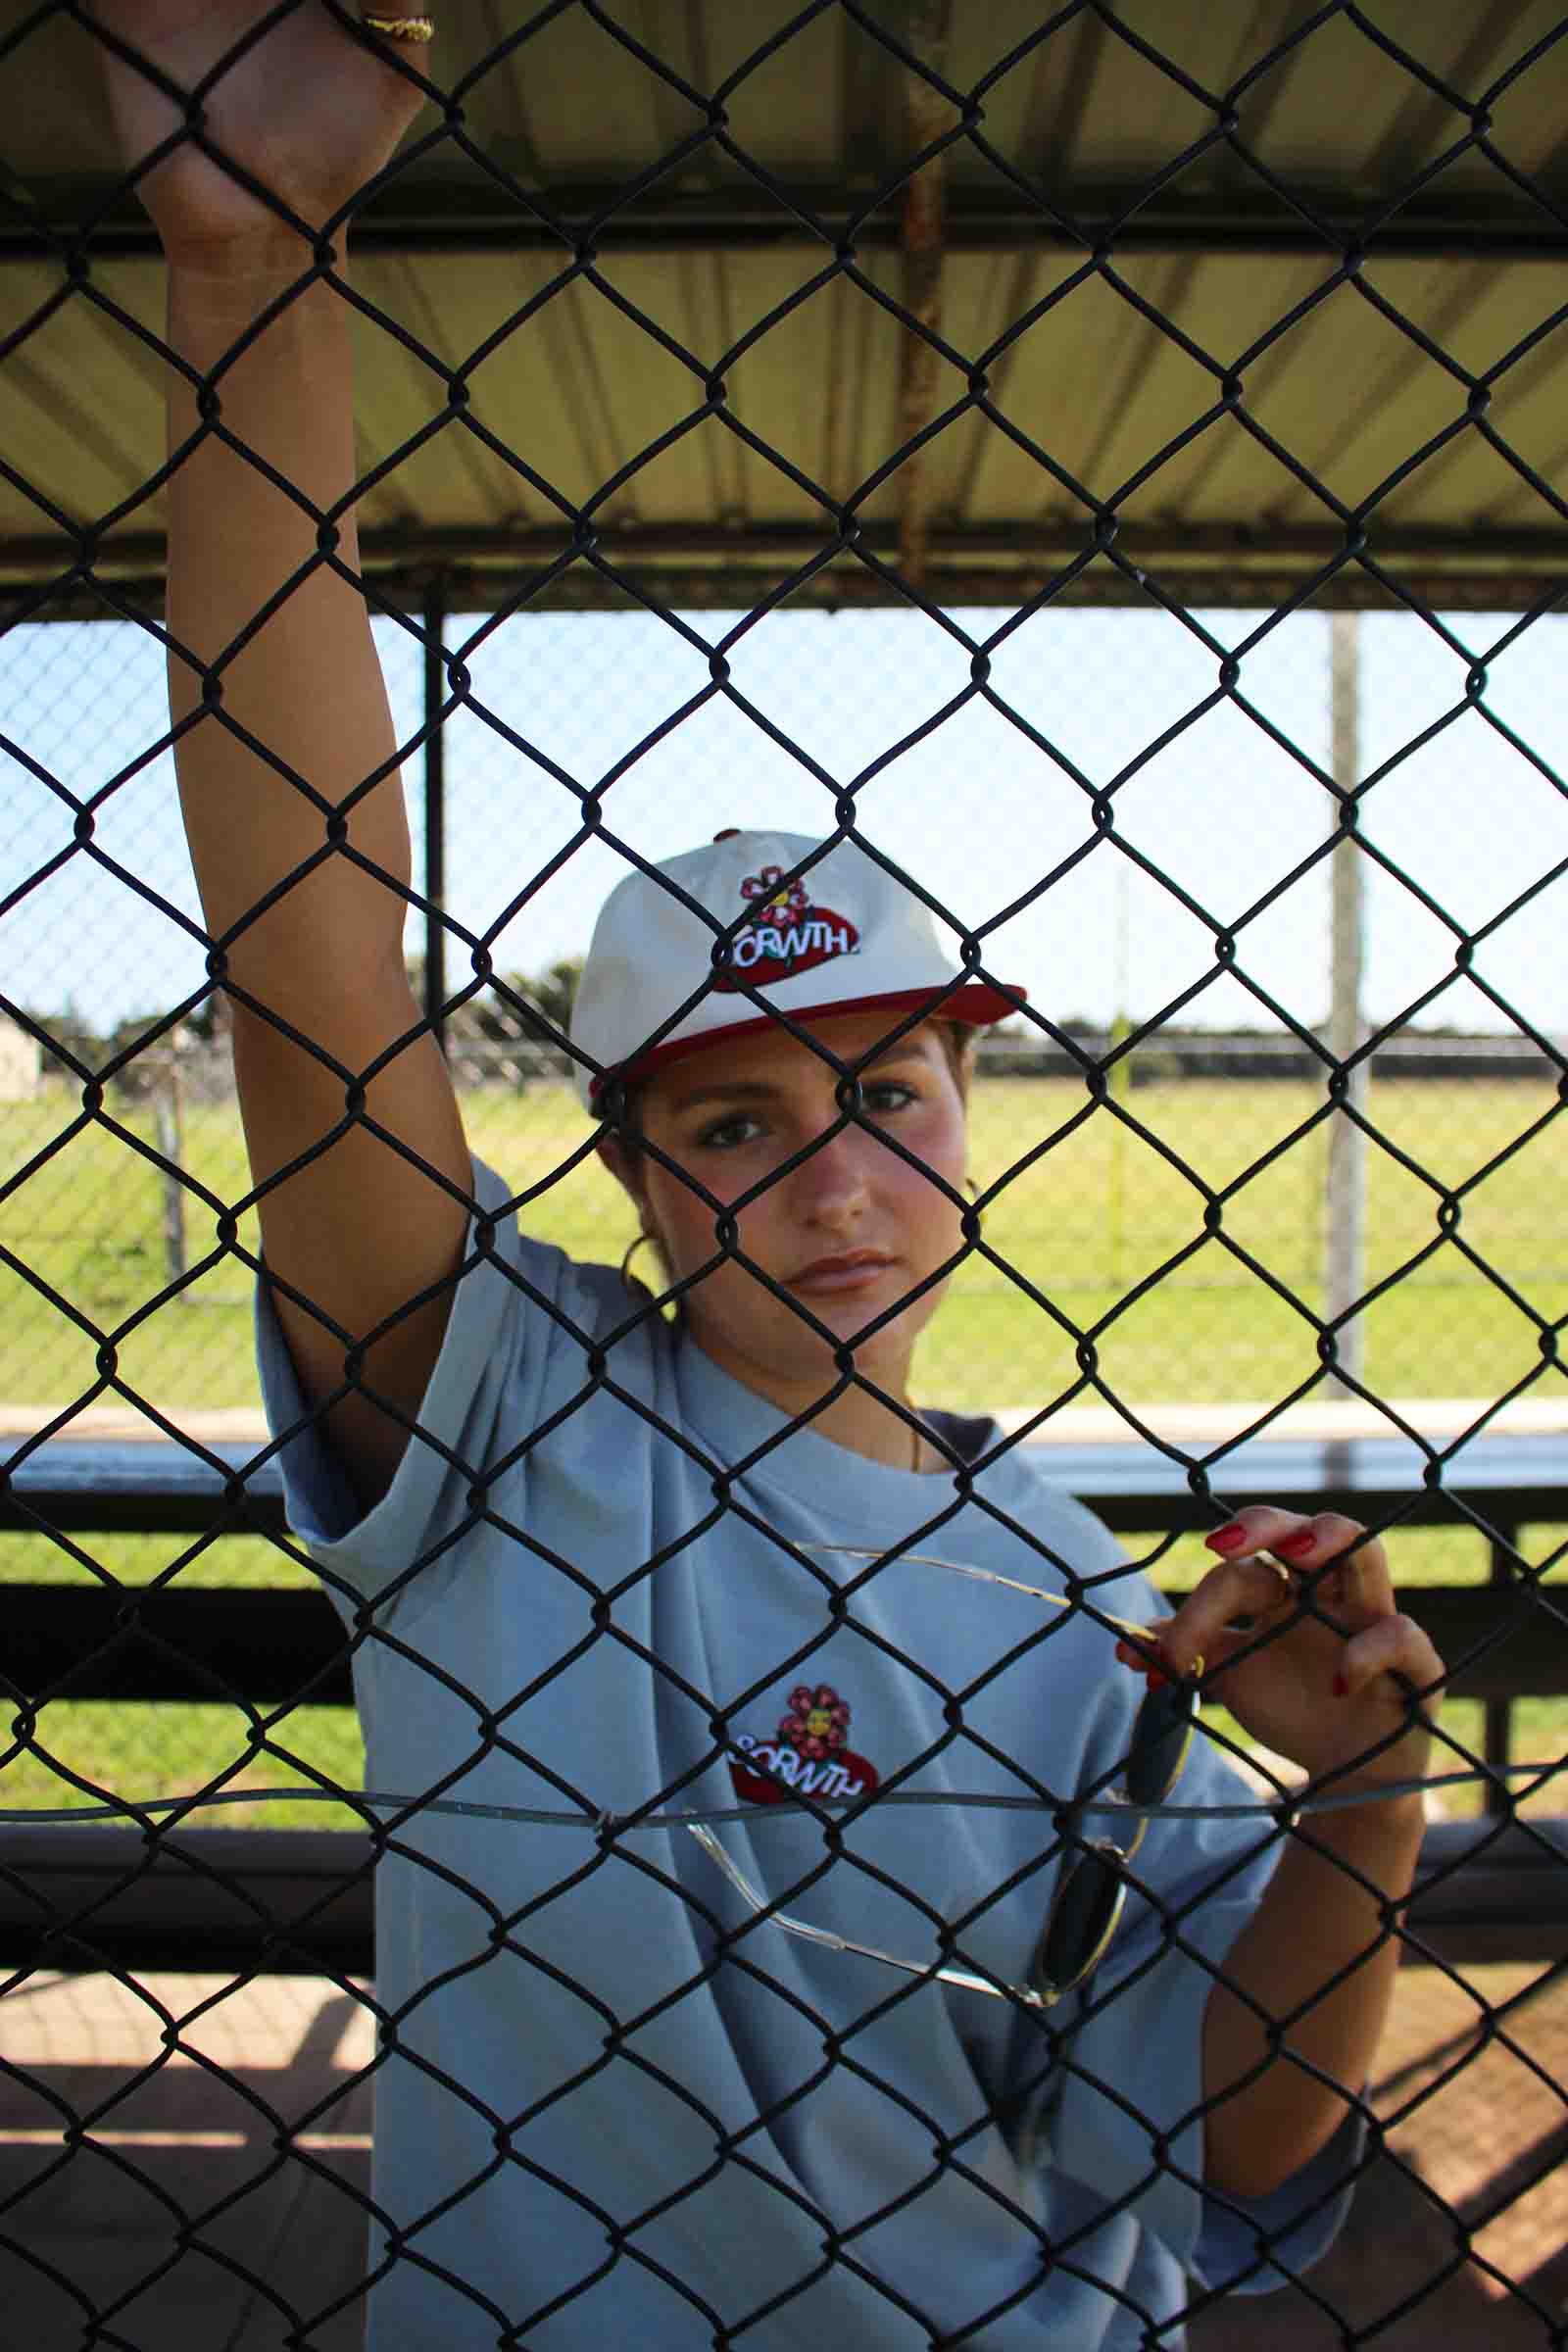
{"x": 1016, "y": 1477}
{"x": 583, "y": 1299}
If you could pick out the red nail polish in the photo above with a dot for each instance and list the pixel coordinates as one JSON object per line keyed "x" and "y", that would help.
{"x": 1227, "y": 1538}
{"x": 1296, "y": 1546}
{"x": 1342, "y": 1689}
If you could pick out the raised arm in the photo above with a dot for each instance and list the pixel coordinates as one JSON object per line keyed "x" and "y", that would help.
{"x": 359, "y": 1229}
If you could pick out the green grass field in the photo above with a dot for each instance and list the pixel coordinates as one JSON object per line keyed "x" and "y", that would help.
{"x": 1092, "y": 1211}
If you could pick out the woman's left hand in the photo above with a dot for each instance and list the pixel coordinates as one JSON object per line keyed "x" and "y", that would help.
{"x": 1324, "y": 1668}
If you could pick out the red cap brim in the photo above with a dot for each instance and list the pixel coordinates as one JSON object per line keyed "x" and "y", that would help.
{"x": 975, "y": 1004}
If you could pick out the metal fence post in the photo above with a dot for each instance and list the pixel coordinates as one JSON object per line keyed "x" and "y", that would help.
{"x": 1346, "y": 1204}
{"x": 1497, "y": 1713}
{"x": 169, "y": 1118}
{"x": 924, "y": 26}
{"x": 435, "y": 814}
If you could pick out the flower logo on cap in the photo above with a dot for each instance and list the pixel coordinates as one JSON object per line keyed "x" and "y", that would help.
{"x": 784, "y": 901}
{"x": 784, "y": 933}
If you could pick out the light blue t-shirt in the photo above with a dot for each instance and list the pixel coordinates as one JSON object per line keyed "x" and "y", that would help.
{"x": 614, "y": 2107}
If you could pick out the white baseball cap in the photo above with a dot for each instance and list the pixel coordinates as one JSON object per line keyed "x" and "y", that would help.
{"x": 845, "y": 937}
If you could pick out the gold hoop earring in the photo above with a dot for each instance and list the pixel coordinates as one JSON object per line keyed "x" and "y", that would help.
{"x": 414, "y": 29}
{"x": 625, "y": 1263}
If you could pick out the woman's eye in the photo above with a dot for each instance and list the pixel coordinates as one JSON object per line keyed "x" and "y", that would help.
{"x": 725, "y": 1134}
{"x": 880, "y": 1099}
{"x": 890, "y": 1095}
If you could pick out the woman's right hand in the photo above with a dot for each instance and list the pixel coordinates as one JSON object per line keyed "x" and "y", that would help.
{"x": 307, "y": 111}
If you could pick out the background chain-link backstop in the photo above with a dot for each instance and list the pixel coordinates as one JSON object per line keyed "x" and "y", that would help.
{"x": 1075, "y": 454}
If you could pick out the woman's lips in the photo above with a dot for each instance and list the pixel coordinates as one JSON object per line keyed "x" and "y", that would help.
{"x": 855, "y": 1270}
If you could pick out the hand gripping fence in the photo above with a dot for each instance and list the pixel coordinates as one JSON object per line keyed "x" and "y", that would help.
{"x": 781, "y": 2034}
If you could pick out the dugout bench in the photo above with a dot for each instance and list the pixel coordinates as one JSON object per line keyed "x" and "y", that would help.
{"x": 291, "y": 1901}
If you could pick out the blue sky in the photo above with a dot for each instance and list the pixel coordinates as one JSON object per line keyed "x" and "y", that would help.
{"x": 979, "y": 811}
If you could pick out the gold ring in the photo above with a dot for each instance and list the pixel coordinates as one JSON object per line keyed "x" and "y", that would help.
{"x": 401, "y": 28}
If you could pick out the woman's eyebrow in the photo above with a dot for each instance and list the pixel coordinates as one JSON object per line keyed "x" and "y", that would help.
{"x": 735, "y": 1090}
{"x": 762, "y": 1090}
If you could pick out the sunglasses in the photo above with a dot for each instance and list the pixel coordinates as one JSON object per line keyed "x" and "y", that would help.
{"x": 1087, "y": 1907}
{"x": 1088, "y": 1903}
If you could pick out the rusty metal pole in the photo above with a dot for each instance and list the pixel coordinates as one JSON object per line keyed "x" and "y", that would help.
{"x": 927, "y": 114}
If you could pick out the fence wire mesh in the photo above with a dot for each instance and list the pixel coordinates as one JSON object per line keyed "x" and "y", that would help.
{"x": 632, "y": 2083}
{"x": 1101, "y": 1213}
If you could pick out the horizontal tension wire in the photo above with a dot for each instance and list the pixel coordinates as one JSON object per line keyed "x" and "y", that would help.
{"x": 616, "y": 1825}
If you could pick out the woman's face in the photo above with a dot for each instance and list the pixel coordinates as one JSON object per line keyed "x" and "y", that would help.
{"x": 846, "y": 1233}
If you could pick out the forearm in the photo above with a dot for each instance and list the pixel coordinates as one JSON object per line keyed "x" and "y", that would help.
{"x": 1316, "y": 1921}
{"x": 307, "y": 685}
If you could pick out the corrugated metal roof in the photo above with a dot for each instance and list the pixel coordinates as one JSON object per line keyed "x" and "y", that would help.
{"x": 1145, "y": 313}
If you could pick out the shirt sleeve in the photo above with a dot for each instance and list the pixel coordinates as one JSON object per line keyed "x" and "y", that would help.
{"x": 1256, "y": 2246}
{"x": 522, "y": 1320}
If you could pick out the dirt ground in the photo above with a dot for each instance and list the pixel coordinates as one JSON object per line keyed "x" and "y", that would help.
{"x": 1457, "y": 2240}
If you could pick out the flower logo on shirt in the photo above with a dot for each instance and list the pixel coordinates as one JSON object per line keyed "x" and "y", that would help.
{"x": 810, "y": 1752}
{"x": 817, "y": 1723}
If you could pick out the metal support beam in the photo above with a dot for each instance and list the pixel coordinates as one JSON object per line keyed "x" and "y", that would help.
{"x": 435, "y": 814}
{"x": 119, "y": 1642}
{"x": 923, "y": 29}
{"x": 711, "y": 565}
{"x": 1344, "y": 1272}
{"x": 474, "y": 215}
{"x": 1496, "y": 1714}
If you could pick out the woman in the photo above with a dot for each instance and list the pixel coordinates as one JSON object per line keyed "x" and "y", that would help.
{"x": 613, "y": 1565}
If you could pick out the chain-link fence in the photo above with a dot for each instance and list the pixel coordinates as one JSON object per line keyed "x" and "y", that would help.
{"x": 784, "y": 1918}
{"x": 107, "y": 1234}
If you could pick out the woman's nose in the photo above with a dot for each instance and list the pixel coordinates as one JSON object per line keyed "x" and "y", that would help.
{"x": 831, "y": 1183}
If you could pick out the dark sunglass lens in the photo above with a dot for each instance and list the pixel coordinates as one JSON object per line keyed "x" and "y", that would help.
{"x": 1159, "y": 1743}
{"x": 1081, "y": 1919}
